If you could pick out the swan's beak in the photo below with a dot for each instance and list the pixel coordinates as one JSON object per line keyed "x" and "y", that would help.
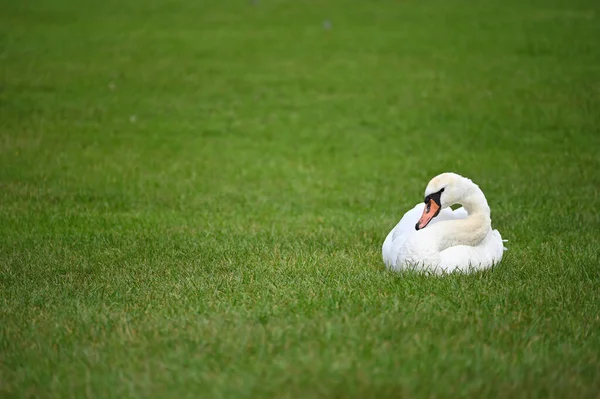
{"x": 431, "y": 210}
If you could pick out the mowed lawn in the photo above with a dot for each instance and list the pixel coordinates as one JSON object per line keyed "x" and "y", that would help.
{"x": 194, "y": 194}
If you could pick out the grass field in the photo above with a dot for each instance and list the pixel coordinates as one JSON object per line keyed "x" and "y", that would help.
{"x": 194, "y": 194}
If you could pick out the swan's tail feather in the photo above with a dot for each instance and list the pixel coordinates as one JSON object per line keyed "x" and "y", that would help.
{"x": 504, "y": 240}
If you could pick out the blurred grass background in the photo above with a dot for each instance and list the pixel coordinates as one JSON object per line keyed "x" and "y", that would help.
{"x": 193, "y": 197}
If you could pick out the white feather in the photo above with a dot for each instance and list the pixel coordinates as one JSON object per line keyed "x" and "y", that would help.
{"x": 458, "y": 240}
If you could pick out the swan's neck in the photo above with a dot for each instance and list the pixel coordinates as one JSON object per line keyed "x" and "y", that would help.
{"x": 471, "y": 230}
{"x": 474, "y": 201}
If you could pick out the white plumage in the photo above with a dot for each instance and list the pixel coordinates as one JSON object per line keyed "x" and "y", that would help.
{"x": 446, "y": 241}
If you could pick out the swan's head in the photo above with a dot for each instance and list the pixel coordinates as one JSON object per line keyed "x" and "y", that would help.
{"x": 442, "y": 191}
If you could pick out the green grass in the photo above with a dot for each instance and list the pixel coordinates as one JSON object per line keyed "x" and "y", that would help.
{"x": 194, "y": 194}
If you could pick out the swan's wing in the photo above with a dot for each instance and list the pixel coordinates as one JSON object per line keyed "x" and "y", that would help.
{"x": 460, "y": 213}
{"x": 386, "y": 249}
{"x": 405, "y": 226}
{"x": 449, "y": 214}
{"x": 408, "y": 221}
{"x": 466, "y": 258}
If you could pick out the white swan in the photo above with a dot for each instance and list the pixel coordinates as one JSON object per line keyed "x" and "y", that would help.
{"x": 432, "y": 237}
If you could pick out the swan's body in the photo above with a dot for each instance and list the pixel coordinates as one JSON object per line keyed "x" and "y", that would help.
{"x": 444, "y": 240}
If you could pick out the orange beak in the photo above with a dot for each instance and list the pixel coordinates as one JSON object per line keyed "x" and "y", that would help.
{"x": 431, "y": 210}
